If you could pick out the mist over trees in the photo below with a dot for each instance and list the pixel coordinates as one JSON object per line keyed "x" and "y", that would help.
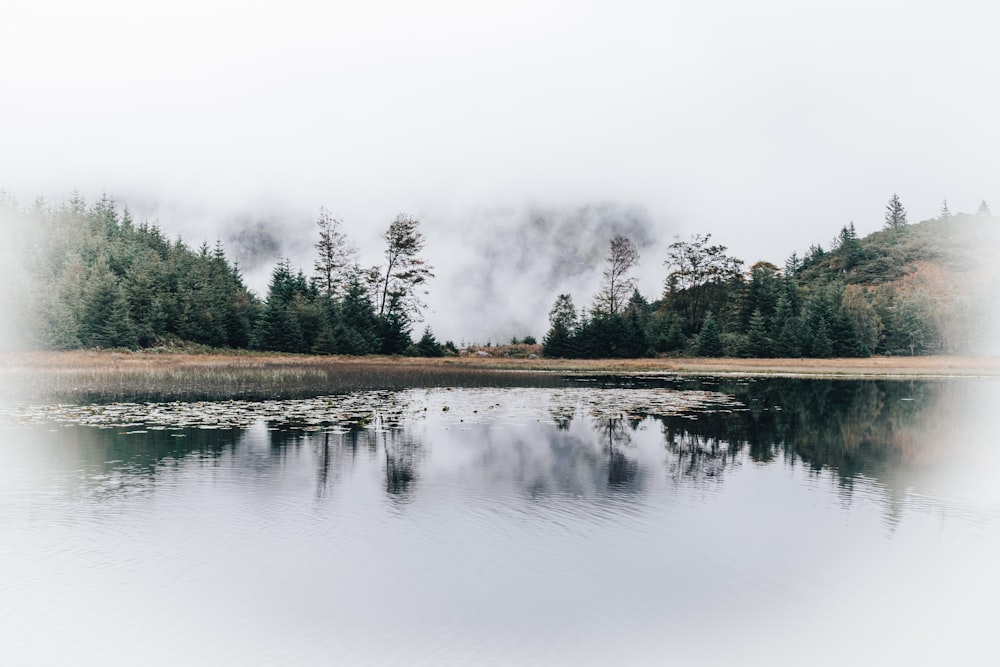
{"x": 98, "y": 279}
{"x": 862, "y": 297}
{"x": 93, "y": 277}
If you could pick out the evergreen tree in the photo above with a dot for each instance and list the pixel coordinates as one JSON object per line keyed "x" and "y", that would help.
{"x": 758, "y": 341}
{"x": 428, "y": 346}
{"x": 358, "y": 328}
{"x": 709, "y": 338}
{"x": 984, "y": 208}
{"x": 105, "y": 318}
{"x": 822, "y": 345}
{"x": 673, "y": 339}
{"x": 559, "y": 342}
{"x": 394, "y": 328}
{"x": 945, "y": 211}
{"x": 895, "y": 214}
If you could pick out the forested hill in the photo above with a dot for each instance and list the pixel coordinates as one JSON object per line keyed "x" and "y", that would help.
{"x": 88, "y": 275}
{"x": 946, "y": 268}
{"x": 927, "y": 288}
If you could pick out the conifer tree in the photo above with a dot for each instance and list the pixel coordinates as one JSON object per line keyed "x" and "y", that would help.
{"x": 895, "y": 214}
{"x": 709, "y": 338}
{"x": 558, "y": 342}
{"x": 945, "y": 211}
{"x": 758, "y": 341}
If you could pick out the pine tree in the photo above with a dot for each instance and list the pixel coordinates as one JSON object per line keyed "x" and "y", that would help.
{"x": 758, "y": 342}
{"x": 559, "y": 341}
{"x": 895, "y": 214}
{"x": 945, "y": 211}
{"x": 709, "y": 339}
{"x": 822, "y": 345}
{"x": 984, "y": 209}
{"x": 428, "y": 346}
{"x": 105, "y": 318}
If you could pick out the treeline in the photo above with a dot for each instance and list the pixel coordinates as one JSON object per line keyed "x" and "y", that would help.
{"x": 95, "y": 278}
{"x": 90, "y": 276}
{"x": 843, "y": 302}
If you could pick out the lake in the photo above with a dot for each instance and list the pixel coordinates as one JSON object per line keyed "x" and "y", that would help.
{"x": 598, "y": 521}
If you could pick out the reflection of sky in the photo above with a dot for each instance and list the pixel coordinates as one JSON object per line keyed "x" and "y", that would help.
{"x": 512, "y": 546}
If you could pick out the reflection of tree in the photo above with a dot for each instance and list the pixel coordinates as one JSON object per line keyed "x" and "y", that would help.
{"x": 874, "y": 428}
{"x": 561, "y": 416}
{"x": 697, "y": 457}
{"x": 615, "y": 435}
{"x": 115, "y": 464}
{"x": 402, "y": 454}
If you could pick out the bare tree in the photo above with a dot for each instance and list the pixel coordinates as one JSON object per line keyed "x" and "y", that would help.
{"x": 335, "y": 253}
{"x": 404, "y": 270}
{"x": 617, "y": 286}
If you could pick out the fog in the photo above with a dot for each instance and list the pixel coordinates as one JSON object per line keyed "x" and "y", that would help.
{"x": 769, "y": 125}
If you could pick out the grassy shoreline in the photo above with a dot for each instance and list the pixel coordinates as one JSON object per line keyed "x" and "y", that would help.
{"x": 61, "y": 363}
{"x": 107, "y": 376}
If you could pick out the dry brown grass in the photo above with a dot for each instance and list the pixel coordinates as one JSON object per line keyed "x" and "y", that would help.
{"x": 106, "y": 376}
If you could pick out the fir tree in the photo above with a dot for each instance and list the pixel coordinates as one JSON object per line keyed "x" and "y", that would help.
{"x": 945, "y": 211}
{"x": 895, "y": 214}
{"x": 709, "y": 338}
{"x": 758, "y": 342}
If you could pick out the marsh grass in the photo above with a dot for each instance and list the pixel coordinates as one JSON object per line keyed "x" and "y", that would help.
{"x": 98, "y": 377}
{"x": 101, "y": 377}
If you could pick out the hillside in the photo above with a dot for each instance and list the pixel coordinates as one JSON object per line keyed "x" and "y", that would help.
{"x": 949, "y": 264}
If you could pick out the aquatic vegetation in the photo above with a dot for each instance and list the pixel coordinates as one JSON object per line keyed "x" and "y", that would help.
{"x": 382, "y": 409}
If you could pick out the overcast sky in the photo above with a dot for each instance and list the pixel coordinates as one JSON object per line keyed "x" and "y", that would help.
{"x": 768, "y": 124}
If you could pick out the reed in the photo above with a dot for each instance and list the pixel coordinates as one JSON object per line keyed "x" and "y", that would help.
{"x": 101, "y": 376}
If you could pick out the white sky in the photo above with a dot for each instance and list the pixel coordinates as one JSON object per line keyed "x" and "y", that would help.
{"x": 769, "y": 124}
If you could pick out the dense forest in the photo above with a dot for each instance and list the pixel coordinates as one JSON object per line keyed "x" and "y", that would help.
{"x": 95, "y": 278}
{"x": 928, "y": 288}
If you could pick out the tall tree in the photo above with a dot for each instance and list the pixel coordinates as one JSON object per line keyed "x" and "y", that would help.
{"x": 334, "y": 254}
{"x": 563, "y": 324}
{"x": 405, "y": 271}
{"x": 617, "y": 285}
{"x": 895, "y": 214}
{"x": 984, "y": 208}
{"x": 698, "y": 275}
{"x": 945, "y": 211}
{"x": 709, "y": 339}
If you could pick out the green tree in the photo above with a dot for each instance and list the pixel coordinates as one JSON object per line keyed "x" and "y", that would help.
{"x": 701, "y": 277}
{"x": 759, "y": 343}
{"x": 563, "y": 322}
{"x": 105, "y": 318}
{"x": 945, "y": 211}
{"x": 428, "y": 346}
{"x": 709, "y": 338}
{"x": 866, "y": 323}
{"x": 895, "y": 214}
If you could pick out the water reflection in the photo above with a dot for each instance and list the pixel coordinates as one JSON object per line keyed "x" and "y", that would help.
{"x": 484, "y": 533}
{"x": 904, "y": 435}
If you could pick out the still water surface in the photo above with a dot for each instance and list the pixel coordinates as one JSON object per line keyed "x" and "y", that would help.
{"x": 698, "y": 523}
